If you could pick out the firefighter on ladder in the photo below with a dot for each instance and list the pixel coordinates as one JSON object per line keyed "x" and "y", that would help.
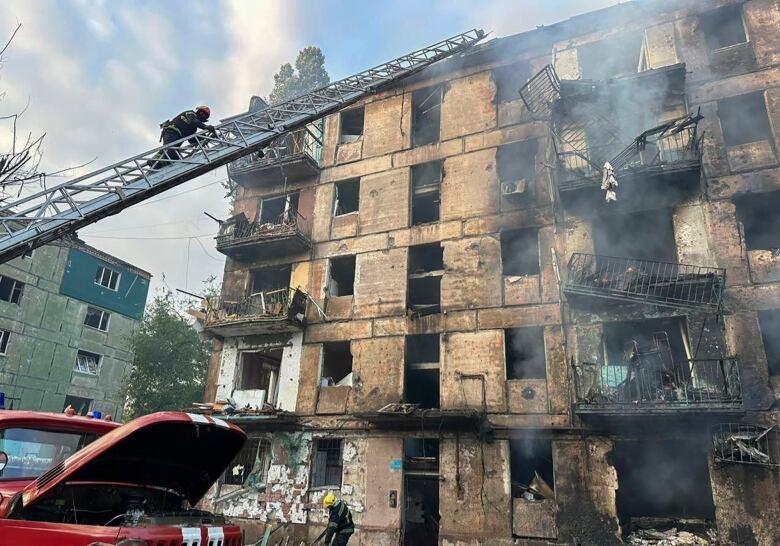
{"x": 184, "y": 125}
{"x": 339, "y": 521}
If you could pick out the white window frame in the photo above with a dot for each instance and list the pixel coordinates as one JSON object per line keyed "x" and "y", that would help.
{"x": 104, "y": 316}
{"x": 100, "y": 277}
{"x": 5, "y": 339}
{"x": 16, "y": 284}
{"x": 83, "y": 367}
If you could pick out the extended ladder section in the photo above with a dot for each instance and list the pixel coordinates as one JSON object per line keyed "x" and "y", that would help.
{"x": 40, "y": 218}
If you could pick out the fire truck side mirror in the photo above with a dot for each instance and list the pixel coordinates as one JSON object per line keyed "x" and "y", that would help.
{"x": 3, "y": 460}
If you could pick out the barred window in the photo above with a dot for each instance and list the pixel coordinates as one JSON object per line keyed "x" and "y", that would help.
{"x": 326, "y": 463}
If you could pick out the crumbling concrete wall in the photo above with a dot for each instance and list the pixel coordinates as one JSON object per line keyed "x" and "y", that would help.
{"x": 472, "y": 371}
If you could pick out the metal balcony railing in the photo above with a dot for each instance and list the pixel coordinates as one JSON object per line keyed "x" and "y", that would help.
{"x": 300, "y": 144}
{"x": 288, "y": 224}
{"x": 648, "y": 384}
{"x": 746, "y": 444}
{"x": 272, "y": 304}
{"x": 646, "y": 281}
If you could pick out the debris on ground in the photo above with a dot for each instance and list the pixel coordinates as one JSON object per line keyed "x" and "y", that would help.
{"x": 673, "y": 533}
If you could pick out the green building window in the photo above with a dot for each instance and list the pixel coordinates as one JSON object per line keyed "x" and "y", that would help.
{"x": 11, "y": 289}
{"x": 107, "y": 277}
{"x": 5, "y": 335}
{"x": 88, "y": 363}
{"x": 97, "y": 318}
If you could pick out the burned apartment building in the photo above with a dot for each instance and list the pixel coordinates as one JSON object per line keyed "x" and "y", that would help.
{"x": 530, "y": 295}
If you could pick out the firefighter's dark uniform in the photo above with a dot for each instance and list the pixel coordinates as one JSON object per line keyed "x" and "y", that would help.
{"x": 339, "y": 524}
{"x": 184, "y": 125}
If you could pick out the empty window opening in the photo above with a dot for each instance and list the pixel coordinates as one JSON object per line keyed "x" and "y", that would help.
{"x": 352, "y": 121}
{"x": 10, "y": 289}
{"x": 612, "y": 57}
{"x": 422, "y": 349}
{"x": 336, "y": 363}
{"x": 516, "y": 165}
{"x": 426, "y": 192}
{"x": 272, "y": 210}
{"x": 81, "y": 405}
{"x": 270, "y": 279}
{"x": 421, "y": 510}
{"x": 342, "y": 276}
{"x": 426, "y": 115}
{"x": 107, "y": 277}
{"x": 97, "y": 318}
{"x": 723, "y": 27}
{"x": 259, "y": 371}
{"x": 531, "y": 468}
{"x": 760, "y": 218}
{"x": 28, "y": 254}
{"x": 645, "y": 235}
{"x": 5, "y": 336}
{"x": 743, "y": 119}
{"x": 426, "y": 267}
{"x": 88, "y": 363}
{"x": 421, "y": 378}
{"x": 347, "y": 197}
{"x": 421, "y": 454}
{"x": 250, "y": 461}
{"x": 524, "y": 353}
{"x": 662, "y": 341}
{"x": 769, "y": 322}
{"x": 662, "y": 479}
{"x": 509, "y": 79}
{"x": 326, "y": 463}
{"x": 520, "y": 252}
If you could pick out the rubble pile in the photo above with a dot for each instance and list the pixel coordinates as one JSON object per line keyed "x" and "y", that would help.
{"x": 675, "y": 537}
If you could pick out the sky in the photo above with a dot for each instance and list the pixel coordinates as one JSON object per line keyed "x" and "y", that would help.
{"x": 100, "y": 76}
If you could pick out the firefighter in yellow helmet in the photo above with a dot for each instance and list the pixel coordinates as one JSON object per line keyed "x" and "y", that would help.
{"x": 339, "y": 520}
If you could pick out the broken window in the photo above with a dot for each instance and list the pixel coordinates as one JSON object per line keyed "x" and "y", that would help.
{"x": 260, "y": 371}
{"x": 663, "y": 340}
{"x": 272, "y": 209}
{"x": 769, "y": 321}
{"x": 336, "y": 364}
{"x": 426, "y": 192}
{"x": 524, "y": 353}
{"x": 81, "y": 405}
{"x": 97, "y": 318}
{"x": 662, "y": 479}
{"x": 743, "y": 119}
{"x": 422, "y": 370}
{"x": 426, "y": 115}
{"x": 516, "y": 165}
{"x": 426, "y": 267}
{"x": 342, "y": 276}
{"x": 421, "y": 454}
{"x": 760, "y": 218}
{"x": 347, "y": 197}
{"x": 107, "y": 277}
{"x": 5, "y": 335}
{"x": 509, "y": 79}
{"x": 326, "y": 463}
{"x": 88, "y": 363}
{"x": 611, "y": 57}
{"x": 645, "y": 235}
{"x": 251, "y": 460}
{"x": 531, "y": 468}
{"x": 269, "y": 279}
{"x": 10, "y": 289}
{"x": 520, "y": 252}
{"x": 723, "y": 27}
{"x": 352, "y": 125}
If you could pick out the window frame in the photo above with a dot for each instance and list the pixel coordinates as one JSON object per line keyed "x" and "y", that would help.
{"x": 16, "y": 292}
{"x": 78, "y": 368}
{"x": 101, "y": 273}
{"x": 5, "y": 339}
{"x": 259, "y": 464}
{"x": 336, "y": 212}
{"x": 104, "y": 315}
{"x": 315, "y": 468}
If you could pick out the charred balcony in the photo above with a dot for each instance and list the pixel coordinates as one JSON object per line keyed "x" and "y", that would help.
{"x": 648, "y": 384}
{"x": 269, "y": 312}
{"x": 294, "y": 156}
{"x": 630, "y": 280}
{"x": 287, "y": 233}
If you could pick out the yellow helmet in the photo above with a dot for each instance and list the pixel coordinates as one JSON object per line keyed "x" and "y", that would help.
{"x": 329, "y": 500}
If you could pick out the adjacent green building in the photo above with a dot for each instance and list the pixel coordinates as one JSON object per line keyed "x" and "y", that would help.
{"x": 66, "y": 313}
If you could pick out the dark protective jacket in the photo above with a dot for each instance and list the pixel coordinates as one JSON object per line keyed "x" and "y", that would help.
{"x": 185, "y": 124}
{"x": 340, "y": 521}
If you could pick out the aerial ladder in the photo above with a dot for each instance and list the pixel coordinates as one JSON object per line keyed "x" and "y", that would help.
{"x": 34, "y": 220}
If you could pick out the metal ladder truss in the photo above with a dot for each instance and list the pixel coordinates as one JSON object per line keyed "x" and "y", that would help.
{"x": 40, "y": 218}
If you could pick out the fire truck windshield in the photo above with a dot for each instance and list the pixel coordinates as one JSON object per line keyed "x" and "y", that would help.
{"x": 32, "y": 451}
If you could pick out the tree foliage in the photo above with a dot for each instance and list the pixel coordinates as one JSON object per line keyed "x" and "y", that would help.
{"x": 170, "y": 360}
{"x": 309, "y": 73}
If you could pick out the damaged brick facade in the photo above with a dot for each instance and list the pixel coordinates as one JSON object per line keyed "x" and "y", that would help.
{"x": 530, "y": 364}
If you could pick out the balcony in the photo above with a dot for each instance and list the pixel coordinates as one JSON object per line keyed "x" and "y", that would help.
{"x": 271, "y": 312}
{"x": 295, "y": 156}
{"x": 286, "y": 234}
{"x": 678, "y": 286}
{"x": 647, "y": 385}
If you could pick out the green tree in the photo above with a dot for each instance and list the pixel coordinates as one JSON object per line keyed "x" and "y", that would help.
{"x": 170, "y": 360}
{"x": 309, "y": 73}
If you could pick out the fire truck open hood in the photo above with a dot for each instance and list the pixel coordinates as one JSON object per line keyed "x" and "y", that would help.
{"x": 182, "y": 452}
